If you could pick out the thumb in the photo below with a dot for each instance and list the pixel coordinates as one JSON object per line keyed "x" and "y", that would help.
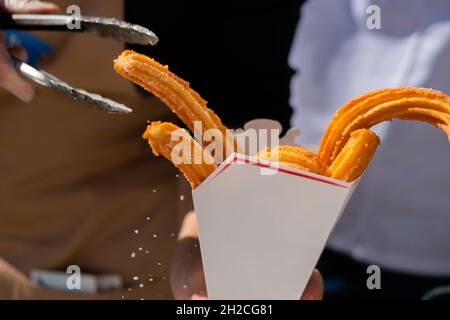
{"x": 314, "y": 288}
{"x": 197, "y": 296}
{"x": 11, "y": 80}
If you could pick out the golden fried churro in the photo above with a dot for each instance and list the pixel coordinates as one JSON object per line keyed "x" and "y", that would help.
{"x": 384, "y": 105}
{"x": 347, "y": 145}
{"x": 164, "y": 137}
{"x": 354, "y": 158}
{"x": 175, "y": 93}
{"x": 294, "y": 157}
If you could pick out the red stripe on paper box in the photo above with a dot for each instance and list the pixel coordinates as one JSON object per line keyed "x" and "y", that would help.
{"x": 236, "y": 159}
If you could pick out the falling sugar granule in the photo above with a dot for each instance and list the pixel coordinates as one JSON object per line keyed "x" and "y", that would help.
{"x": 135, "y": 278}
{"x": 133, "y": 255}
{"x": 136, "y": 231}
{"x": 181, "y": 197}
{"x": 155, "y": 236}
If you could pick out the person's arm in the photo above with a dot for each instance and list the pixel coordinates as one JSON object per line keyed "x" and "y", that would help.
{"x": 13, "y": 283}
{"x": 9, "y": 78}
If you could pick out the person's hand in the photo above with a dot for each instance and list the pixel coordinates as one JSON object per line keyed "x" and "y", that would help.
{"x": 314, "y": 288}
{"x": 188, "y": 280}
{"x": 9, "y": 78}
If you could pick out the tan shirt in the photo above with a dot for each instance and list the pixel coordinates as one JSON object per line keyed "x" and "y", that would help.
{"x": 75, "y": 182}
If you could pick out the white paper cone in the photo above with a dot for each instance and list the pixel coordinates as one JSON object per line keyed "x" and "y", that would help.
{"x": 261, "y": 235}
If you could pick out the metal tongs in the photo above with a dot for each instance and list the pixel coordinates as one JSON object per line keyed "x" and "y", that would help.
{"x": 104, "y": 27}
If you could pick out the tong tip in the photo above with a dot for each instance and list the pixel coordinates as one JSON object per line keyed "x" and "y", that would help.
{"x": 121, "y": 110}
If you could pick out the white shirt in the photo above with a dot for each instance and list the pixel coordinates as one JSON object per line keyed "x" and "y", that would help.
{"x": 399, "y": 217}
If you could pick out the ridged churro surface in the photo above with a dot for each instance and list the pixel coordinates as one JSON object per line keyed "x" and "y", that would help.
{"x": 164, "y": 137}
{"x": 347, "y": 146}
{"x": 175, "y": 93}
{"x": 370, "y": 109}
{"x": 355, "y": 157}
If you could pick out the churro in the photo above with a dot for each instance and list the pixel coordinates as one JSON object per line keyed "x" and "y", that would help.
{"x": 384, "y": 105}
{"x": 187, "y": 104}
{"x": 347, "y": 145}
{"x": 294, "y": 157}
{"x": 168, "y": 139}
{"x": 354, "y": 158}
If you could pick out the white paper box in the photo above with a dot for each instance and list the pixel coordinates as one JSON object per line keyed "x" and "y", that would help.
{"x": 261, "y": 235}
